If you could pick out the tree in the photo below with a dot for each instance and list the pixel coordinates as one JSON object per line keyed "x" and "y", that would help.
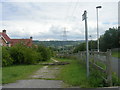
{"x": 110, "y": 39}
{"x": 80, "y": 47}
{"x": 45, "y": 52}
{"x": 92, "y": 45}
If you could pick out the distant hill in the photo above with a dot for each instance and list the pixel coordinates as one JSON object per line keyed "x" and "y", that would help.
{"x": 58, "y": 43}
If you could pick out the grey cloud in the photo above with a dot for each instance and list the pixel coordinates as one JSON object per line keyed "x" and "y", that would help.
{"x": 56, "y": 29}
{"x": 51, "y": 13}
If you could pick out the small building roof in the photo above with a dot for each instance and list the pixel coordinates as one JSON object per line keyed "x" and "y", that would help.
{"x": 27, "y": 42}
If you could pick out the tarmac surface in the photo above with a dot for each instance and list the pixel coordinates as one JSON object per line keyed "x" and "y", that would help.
{"x": 35, "y": 83}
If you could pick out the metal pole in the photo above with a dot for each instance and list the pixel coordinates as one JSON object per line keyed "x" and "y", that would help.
{"x": 97, "y": 31}
{"x": 97, "y": 27}
{"x": 86, "y": 37}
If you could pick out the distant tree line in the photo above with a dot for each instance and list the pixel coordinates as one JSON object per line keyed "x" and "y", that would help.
{"x": 109, "y": 40}
{"x": 21, "y": 54}
{"x": 57, "y": 44}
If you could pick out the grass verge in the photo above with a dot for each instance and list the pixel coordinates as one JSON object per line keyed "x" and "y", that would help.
{"x": 48, "y": 61}
{"x": 116, "y": 54}
{"x": 13, "y": 73}
{"x": 74, "y": 74}
{"x": 0, "y": 76}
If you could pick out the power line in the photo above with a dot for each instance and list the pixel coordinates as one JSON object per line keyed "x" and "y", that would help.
{"x": 74, "y": 7}
{"x": 68, "y": 9}
{"x": 73, "y": 10}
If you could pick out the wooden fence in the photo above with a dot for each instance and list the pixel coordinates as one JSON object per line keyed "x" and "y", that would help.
{"x": 99, "y": 60}
{"x": 102, "y": 62}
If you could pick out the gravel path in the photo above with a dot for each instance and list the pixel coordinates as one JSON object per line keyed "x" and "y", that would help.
{"x": 48, "y": 72}
{"x": 43, "y": 78}
{"x": 54, "y": 60}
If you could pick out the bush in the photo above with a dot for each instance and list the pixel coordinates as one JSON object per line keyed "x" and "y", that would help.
{"x": 45, "y": 52}
{"x": 6, "y": 58}
{"x": 95, "y": 79}
{"x": 24, "y": 55}
{"x": 81, "y": 47}
{"x": 115, "y": 79}
{"x": 21, "y": 54}
{"x": 31, "y": 56}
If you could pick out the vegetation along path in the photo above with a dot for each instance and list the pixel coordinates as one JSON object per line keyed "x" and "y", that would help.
{"x": 45, "y": 77}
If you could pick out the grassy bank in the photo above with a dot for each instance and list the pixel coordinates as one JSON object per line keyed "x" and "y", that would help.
{"x": 116, "y": 54}
{"x": 12, "y": 73}
{"x": 0, "y": 75}
{"x": 74, "y": 74}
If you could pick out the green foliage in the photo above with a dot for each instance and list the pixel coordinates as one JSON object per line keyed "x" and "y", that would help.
{"x": 6, "y": 58}
{"x": 92, "y": 45}
{"x": 23, "y": 55}
{"x": 110, "y": 39}
{"x": 95, "y": 78}
{"x": 115, "y": 80}
{"x": 116, "y": 54}
{"x": 45, "y": 52}
{"x": 57, "y": 44}
{"x": 74, "y": 74}
{"x": 81, "y": 47}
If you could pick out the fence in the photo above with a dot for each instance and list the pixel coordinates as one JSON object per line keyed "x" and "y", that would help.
{"x": 102, "y": 62}
{"x": 98, "y": 60}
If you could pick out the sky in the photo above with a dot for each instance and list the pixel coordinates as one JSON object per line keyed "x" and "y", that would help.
{"x": 47, "y": 19}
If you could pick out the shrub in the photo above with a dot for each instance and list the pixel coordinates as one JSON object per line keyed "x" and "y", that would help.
{"x": 24, "y": 55}
{"x": 115, "y": 79}
{"x": 95, "y": 79}
{"x": 21, "y": 54}
{"x": 45, "y": 52}
{"x": 6, "y": 58}
{"x": 31, "y": 56}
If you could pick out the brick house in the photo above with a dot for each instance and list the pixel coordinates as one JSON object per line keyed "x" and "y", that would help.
{"x": 5, "y": 40}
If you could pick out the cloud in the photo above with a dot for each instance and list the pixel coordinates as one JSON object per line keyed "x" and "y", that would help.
{"x": 58, "y": 1}
{"x": 46, "y": 20}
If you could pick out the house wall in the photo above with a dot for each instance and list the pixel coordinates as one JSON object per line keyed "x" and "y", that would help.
{"x": 2, "y": 42}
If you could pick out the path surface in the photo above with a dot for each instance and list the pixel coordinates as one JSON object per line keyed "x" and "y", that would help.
{"x": 54, "y": 60}
{"x": 47, "y": 72}
{"x": 43, "y": 78}
{"x": 35, "y": 83}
